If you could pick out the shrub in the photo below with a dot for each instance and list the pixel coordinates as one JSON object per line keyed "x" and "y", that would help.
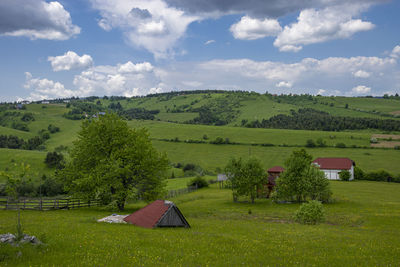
{"x": 189, "y": 167}
{"x": 358, "y": 173}
{"x": 341, "y": 145}
{"x": 310, "y": 143}
{"x": 198, "y": 182}
{"x": 27, "y": 117}
{"x": 344, "y": 175}
{"x": 321, "y": 142}
{"x": 54, "y": 160}
{"x": 53, "y": 129}
{"x": 310, "y": 213}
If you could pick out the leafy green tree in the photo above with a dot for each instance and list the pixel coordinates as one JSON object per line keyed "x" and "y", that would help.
{"x": 310, "y": 143}
{"x": 301, "y": 180}
{"x": 111, "y": 161}
{"x": 245, "y": 177}
{"x": 54, "y": 160}
{"x": 344, "y": 175}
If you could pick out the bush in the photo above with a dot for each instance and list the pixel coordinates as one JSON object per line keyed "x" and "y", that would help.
{"x": 189, "y": 167}
{"x": 310, "y": 143}
{"x": 53, "y": 129}
{"x": 198, "y": 182}
{"x": 358, "y": 173}
{"x": 344, "y": 175}
{"x": 341, "y": 145}
{"x": 54, "y": 160}
{"x": 310, "y": 213}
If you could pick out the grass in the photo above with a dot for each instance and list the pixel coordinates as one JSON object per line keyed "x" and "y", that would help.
{"x": 211, "y": 157}
{"x": 362, "y": 229}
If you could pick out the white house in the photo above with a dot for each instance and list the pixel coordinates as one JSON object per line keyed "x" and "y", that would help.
{"x": 333, "y": 166}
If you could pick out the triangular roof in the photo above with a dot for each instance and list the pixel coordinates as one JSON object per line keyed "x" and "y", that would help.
{"x": 159, "y": 213}
{"x": 334, "y": 163}
{"x": 276, "y": 169}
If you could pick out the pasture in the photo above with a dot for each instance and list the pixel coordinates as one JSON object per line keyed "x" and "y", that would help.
{"x": 362, "y": 229}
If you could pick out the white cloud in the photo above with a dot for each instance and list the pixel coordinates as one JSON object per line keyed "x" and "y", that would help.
{"x": 305, "y": 76}
{"x": 316, "y": 26}
{"x": 284, "y": 84}
{"x": 209, "y": 42}
{"x": 321, "y": 92}
{"x": 126, "y": 79}
{"x": 36, "y": 19}
{"x": 251, "y": 28}
{"x": 361, "y": 89}
{"x": 361, "y": 74}
{"x": 139, "y": 67}
{"x": 396, "y": 52}
{"x": 192, "y": 83}
{"x": 70, "y": 60}
{"x": 149, "y": 24}
{"x": 48, "y": 89}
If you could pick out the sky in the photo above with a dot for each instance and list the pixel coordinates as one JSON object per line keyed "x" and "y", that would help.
{"x": 60, "y": 49}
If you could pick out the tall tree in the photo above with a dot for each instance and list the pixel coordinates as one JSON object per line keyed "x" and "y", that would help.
{"x": 301, "y": 180}
{"x": 111, "y": 161}
{"x": 245, "y": 177}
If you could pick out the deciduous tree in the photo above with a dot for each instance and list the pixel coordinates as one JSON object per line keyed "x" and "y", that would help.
{"x": 111, "y": 161}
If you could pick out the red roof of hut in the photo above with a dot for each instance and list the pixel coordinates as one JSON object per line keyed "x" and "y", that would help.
{"x": 160, "y": 213}
{"x": 277, "y": 169}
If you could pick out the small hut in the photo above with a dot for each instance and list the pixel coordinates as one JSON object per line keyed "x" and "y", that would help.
{"x": 160, "y": 213}
{"x": 273, "y": 173}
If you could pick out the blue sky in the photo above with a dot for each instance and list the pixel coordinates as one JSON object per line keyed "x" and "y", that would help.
{"x": 135, "y": 47}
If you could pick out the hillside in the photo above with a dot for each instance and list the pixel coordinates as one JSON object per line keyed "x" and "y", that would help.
{"x": 209, "y": 146}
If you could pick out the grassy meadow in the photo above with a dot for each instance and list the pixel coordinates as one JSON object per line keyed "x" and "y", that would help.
{"x": 208, "y": 156}
{"x": 361, "y": 229}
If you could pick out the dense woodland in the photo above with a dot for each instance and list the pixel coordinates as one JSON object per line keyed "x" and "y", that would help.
{"x": 311, "y": 119}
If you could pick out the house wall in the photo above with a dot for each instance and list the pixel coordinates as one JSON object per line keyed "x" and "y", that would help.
{"x": 334, "y": 174}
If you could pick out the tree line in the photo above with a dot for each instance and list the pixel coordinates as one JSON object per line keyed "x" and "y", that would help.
{"x": 311, "y": 119}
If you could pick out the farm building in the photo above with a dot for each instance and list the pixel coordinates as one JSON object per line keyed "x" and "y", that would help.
{"x": 273, "y": 173}
{"x": 160, "y": 213}
{"x": 333, "y": 166}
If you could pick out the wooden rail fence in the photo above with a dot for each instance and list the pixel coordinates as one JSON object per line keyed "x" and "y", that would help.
{"x": 174, "y": 193}
{"x": 46, "y": 204}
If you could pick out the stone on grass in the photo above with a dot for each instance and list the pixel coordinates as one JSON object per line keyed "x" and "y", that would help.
{"x": 114, "y": 218}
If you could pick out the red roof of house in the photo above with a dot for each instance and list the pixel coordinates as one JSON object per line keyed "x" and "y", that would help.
{"x": 276, "y": 169}
{"x": 148, "y": 216}
{"x": 334, "y": 163}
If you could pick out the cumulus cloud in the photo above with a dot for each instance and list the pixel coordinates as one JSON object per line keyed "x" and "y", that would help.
{"x": 36, "y": 19}
{"x": 321, "y": 92}
{"x": 304, "y": 76}
{"x": 70, "y": 60}
{"x": 395, "y": 52}
{"x": 361, "y": 89}
{"x": 316, "y": 26}
{"x": 361, "y": 74}
{"x": 209, "y": 42}
{"x": 126, "y": 79}
{"x": 48, "y": 89}
{"x": 284, "y": 84}
{"x": 129, "y": 67}
{"x": 255, "y": 8}
{"x": 150, "y": 24}
{"x": 251, "y": 28}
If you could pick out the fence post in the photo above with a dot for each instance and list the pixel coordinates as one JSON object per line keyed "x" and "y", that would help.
{"x": 7, "y": 204}
{"x": 41, "y": 204}
{"x": 24, "y": 203}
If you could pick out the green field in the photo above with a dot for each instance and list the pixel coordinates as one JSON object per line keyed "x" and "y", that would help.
{"x": 361, "y": 230}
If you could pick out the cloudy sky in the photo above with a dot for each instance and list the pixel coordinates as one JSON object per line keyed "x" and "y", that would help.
{"x": 135, "y": 47}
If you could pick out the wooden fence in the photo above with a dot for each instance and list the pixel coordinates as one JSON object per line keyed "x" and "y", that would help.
{"x": 46, "y": 204}
{"x": 174, "y": 193}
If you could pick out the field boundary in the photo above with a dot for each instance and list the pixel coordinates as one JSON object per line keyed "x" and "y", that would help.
{"x": 46, "y": 204}
{"x": 181, "y": 191}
